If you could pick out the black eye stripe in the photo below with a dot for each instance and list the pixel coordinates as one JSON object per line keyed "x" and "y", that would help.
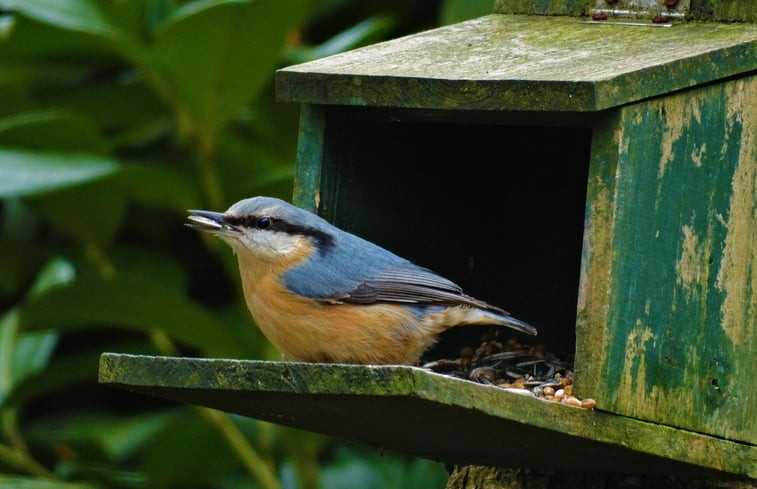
{"x": 323, "y": 240}
{"x": 263, "y": 222}
{"x": 232, "y": 220}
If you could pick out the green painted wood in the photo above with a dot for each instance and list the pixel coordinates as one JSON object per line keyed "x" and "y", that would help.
{"x": 418, "y": 412}
{"x": 307, "y": 179}
{"x": 701, "y": 10}
{"x": 592, "y": 316}
{"x": 667, "y": 323}
{"x": 524, "y": 63}
{"x": 542, "y": 7}
{"x": 724, "y": 10}
{"x": 482, "y": 477}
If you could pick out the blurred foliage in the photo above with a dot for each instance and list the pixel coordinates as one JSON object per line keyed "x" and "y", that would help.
{"x": 116, "y": 117}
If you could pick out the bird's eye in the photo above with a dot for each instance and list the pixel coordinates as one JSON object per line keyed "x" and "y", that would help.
{"x": 263, "y": 222}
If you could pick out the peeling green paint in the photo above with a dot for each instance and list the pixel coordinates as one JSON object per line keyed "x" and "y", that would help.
{"x": 738, "y": 271}
{"x": 309, "y": 157}
{"x": 592, "y": 337}
{"x": 680, "y": 327}
{"x": 677, "y": 118}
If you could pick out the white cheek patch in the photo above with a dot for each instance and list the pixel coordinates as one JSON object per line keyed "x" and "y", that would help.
{"x": 271, "y": 243}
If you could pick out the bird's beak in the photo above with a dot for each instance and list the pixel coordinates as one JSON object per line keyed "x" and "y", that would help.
{"x": 211, "y": 222}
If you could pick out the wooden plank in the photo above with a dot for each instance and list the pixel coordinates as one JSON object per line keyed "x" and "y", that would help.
{"x": 724, "y": 10}
{"x": 668, "y": 304}
{"x": 418, "y": 412}
{"x": 526, "y": 63}
{"x": 542, "y": 7}
{"x": 707, "y": 10}
{"x": 307, "y": 179}
{"x": 592, "y": 312}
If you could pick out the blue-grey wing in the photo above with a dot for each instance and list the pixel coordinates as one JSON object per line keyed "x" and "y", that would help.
{"x": 333, "y": 272}
{"x": 414, "y": 285}
{"x": 359, "y": 272}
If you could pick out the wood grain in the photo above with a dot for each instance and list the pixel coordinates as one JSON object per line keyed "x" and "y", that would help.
{"x": 533, "y": 63}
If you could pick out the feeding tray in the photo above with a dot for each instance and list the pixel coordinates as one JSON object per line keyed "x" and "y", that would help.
{"x": 421, "y": 413}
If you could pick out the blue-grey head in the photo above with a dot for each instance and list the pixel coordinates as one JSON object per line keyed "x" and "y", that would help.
{"x": 323, "y": 262}
{"x": 266, "y": 227}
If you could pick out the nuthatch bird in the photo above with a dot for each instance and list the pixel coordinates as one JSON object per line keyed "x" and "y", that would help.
{"x": 321, "y": 294}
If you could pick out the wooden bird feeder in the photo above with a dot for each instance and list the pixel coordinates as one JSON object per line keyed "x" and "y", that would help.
{"x": 590, "y": 167}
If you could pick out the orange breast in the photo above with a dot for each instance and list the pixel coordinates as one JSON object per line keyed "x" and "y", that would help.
{"x": 307, "y": 330}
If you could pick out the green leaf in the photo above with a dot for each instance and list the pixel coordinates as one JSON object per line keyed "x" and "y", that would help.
{"x": 118, "y": 437}
{"x": 6, "y": 26}
{"x": 172, "y": 458}
{"x": 21, "y": 355}
{"x": 370, "y": 30}
{"x": 65, "y": 372}
{"x": 51, "y": 130}
{"x": 158, "y": 11}
{"x": 123, "y": 437}
{"x": 77, "y": 15}
{"x": 56, "y": 272}
{"x": 358, "y": 467}
{"x": 218, "y": 55}
{"x": 14, "y": 91}
{"x": 162, "y": 187}
{"x": 20, "y": 261}
{"x": 25, "y": 354}
{"x": 249, "y": 168}
{"x": 272, "y": 123}
{"x": 91, "y": 214}
{"x": 28, "y": 173}
{"x": 9, "y": 324}
{"x": 106, "y": 475}
{"x": 62, "y": 374}
{"x": 141, "y": 264}
{"x": 115, "y": 108}
{"x": 38, "y": 48}
{"x": 32, "y": 353}
{"x": 352, "y": 474}
{"x": 140, "y": 306}
{"x": 16, "y": 482}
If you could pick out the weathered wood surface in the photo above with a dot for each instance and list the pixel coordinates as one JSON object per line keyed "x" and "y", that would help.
{"x": 724, "y": 10}
{"x": 542, "y": 7}
{"x": 478, "y": 477}
{"x": 708, "y": 10}
{"x": 310, "y": 141}
{"x": 527, "y": 63}
{"x": 667, "y": 314}
{"x": 418, "y": 412}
